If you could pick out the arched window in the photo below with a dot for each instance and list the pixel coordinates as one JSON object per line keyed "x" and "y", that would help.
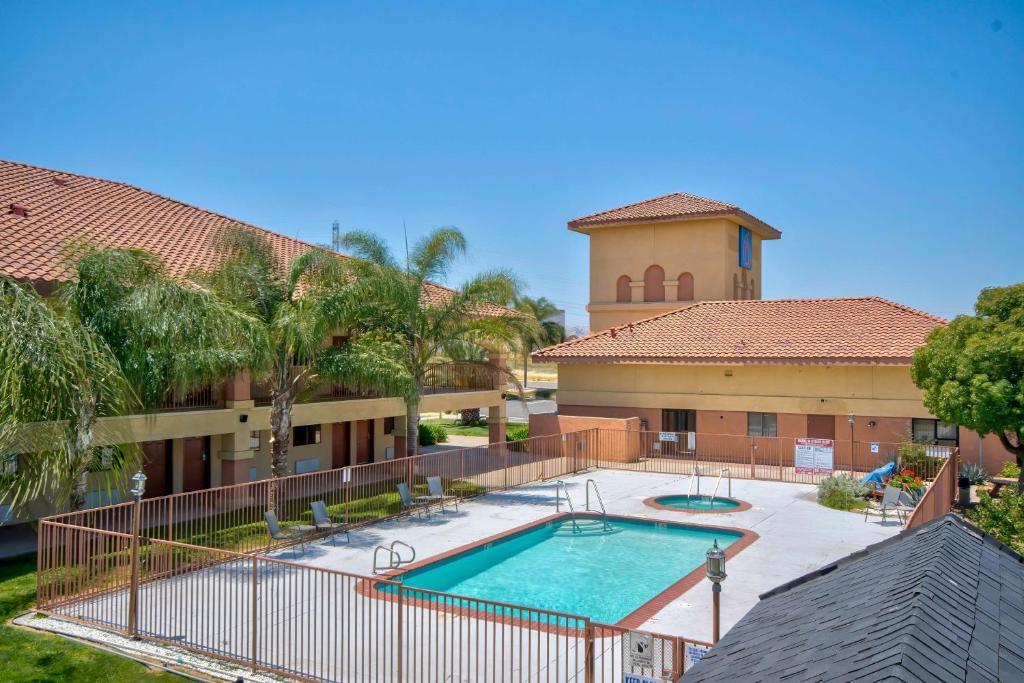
{"x": 684, "y": 292}
{"x": 623, "y": 292}
{"x": 654, "y": 284}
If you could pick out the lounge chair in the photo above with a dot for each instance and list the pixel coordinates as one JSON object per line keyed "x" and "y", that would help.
{"x": 298, "y": 533}
{"x": 890, "y": 501}
{"x": 435, "y": 489}
{"x": 408, "y": 502}
{"x": 323, "y": 522}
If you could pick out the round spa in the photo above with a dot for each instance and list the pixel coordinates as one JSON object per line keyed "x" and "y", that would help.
{"x": 697, "y": 504}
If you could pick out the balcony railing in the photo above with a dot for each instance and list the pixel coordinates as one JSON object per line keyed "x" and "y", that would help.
{"x": 204, "y": 398}
{"x": 445, "y": 377}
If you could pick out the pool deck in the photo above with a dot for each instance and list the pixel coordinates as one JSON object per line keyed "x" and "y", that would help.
{"x": 796, "y": 536}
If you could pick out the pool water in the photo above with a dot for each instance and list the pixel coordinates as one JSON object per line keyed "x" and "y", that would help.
{"x": 604, "y": 575}
{"x": 686, "y": 502}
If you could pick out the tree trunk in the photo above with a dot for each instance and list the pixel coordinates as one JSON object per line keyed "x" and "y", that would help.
{"x": 81, "y": 448}
{"x": 78, "y": 490}
{"x": 280, "y": 433}
{"x": 412, "y": 427}
{"x": 1018, "y": 451}
{"x": 526, "y": 359}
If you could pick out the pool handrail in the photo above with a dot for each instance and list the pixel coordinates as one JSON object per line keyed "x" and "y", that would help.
{"x": 395, "y": 559}
{"x": 718, "y": 482}
{"x": 689, "y": 487}
{"x": 600, "y": 501}
{"x": 559, "y": 487}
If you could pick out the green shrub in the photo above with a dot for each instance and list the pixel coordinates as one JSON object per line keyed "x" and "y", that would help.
{"x": 427, "y": 437}
{"x": 440, "y": 433}
{"x": 1011, "y": 470}
{"x": 973, "y": 473}
{"x": 545, "y": 393}
{"x": 1003, "y": 517}
{"x": 914, "y": 456}
{"x": 842, "y": 492}
{"x": 517, "y": 432}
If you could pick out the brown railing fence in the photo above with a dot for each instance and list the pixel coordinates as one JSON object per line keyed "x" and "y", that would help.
{"x": 203, "y": 579}
{"x": 938, "y": 499}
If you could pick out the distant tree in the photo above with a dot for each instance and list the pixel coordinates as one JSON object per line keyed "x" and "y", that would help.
{"x": 392, "y": 306}
{"x": 972, "y": 370}
{"x": 542, "y": 332}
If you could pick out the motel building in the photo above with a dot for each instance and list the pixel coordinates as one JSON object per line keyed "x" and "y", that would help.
{"x": 217, "y": 435}
{"x": 684, "y": 342}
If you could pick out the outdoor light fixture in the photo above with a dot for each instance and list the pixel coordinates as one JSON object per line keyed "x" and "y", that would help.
{"x": 138, "y": 485}
{"x": 852, "y": 418}
{"x": 716, "y": 575}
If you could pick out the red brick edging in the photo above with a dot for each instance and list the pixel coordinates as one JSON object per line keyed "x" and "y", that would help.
{"x": 632, "y": 620}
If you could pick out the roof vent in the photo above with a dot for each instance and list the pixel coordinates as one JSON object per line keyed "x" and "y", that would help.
{"x": 57, "y": 180}
{"x": 19, "y": 210}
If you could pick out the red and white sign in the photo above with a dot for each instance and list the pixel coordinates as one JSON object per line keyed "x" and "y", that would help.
{"x": 814, "y": 456}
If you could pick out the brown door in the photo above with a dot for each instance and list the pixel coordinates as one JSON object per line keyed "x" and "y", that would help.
{"x": 364, "y": 441}
{"x": 196, "y": 464}
{"x": 821, "y": 427}
{"x": 340, "y": 432}
{"x": 156, "y": 465}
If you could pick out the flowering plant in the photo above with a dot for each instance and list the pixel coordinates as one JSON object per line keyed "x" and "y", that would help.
{"x": 906, "y": 480}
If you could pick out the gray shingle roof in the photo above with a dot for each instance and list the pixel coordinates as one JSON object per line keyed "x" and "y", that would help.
{"x": 943, "y": 602}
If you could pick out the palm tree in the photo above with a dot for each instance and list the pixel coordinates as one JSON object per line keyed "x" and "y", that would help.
{"x": 411, "y": 321}
{"x": 544, "y": 332}
{"x": 297, "y": 306}
{"x": 122, "y": 335}
{"x": 56, "y": 378}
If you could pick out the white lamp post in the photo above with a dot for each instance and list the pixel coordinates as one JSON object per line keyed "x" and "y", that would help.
{"x": 716, "y": 575}
{"x": 137, "y": 490}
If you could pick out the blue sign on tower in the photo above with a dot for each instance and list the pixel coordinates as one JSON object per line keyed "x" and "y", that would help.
{"x": 746, "y": 248}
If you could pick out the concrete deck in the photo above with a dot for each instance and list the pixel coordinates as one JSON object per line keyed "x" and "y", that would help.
{"x": 796, "y": 536}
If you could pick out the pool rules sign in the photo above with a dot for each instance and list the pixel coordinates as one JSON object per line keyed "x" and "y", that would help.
{"x": 646, "y": 658}
{"x": 814, "y": 456}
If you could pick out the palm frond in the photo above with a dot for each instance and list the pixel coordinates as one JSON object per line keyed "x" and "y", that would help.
{"x": 370, "y": 248}
{"x": 433, "y": 256}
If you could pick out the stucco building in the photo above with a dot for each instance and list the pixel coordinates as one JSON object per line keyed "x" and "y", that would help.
{"x": 685, "y": 342}
{"x": 217, "y": 435}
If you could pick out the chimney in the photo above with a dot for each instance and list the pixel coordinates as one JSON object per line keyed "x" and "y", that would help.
{"x": 19, "y": 210}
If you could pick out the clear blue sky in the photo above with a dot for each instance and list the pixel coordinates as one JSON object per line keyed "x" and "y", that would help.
{"x": 885, "y": 139}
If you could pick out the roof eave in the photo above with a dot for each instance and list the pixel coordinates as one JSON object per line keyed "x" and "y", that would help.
{"x": 722, "y": 361}
{"x": 762, "y": 229}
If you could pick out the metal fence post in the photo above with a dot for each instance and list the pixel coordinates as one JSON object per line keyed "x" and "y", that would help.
{"x": 400, "y": 638}
{"x": 133, "y": 594}
{"x": 255, "y": 630}
{"x": 589, "y": 652}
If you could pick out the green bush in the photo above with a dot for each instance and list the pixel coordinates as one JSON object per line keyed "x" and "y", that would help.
{"x": 517, "y": 432}
{"x": 427, "y": 436}
{"x": 914, "y": 457}
{"x": 545, "y": 393}
{"x": 842, "y": 492}
{"x": 1011, "y": 470}
{"x": 1003, "y": 517}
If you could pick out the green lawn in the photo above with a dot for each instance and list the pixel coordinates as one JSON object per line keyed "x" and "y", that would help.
{"x": 27, "y": 656}
{"x": 454, "y": 427}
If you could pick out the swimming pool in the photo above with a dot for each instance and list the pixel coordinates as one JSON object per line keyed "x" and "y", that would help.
{"x": 604, "y": 575}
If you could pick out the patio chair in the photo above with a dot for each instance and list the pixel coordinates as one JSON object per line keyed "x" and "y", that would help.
{"x": 436, "y": 492}
{"x": 278, "y": 534}
{"x": 890, "y": 502}
{"x": 408, "y": 502}
{"x": 323, "y": 522}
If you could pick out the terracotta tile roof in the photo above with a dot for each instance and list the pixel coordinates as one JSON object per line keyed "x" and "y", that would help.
{"x": 42, "y": 209}
{"x": 866, "y": 330}
{"x": 673, "y": 207}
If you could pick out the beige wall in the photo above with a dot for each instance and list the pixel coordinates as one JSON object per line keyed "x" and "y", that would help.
{"x": 709, "y": 249}
{"x": 833, "y": 390}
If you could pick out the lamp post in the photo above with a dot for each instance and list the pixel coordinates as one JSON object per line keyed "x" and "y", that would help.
{"x": 716, "y": 575}
{"x": 138, "y": 488}
{"x": 852, "y": 419}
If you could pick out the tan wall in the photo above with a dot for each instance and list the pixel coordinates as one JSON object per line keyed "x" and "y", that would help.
{"x": 709, "y": 249}
{"x": 830, "y": 390}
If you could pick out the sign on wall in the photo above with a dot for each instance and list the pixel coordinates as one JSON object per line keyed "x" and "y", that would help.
{"x": 814, "y": 456}
{"x": 693, "y": 653}
{"x": 746, "y": 248}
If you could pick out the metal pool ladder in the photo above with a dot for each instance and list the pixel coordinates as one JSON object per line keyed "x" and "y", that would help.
{"x": 689, "y": 488}
{"x": 395, "y": 559}
{"x": 559, "y": 488}
{"x": 597, "y": 494}
{"x": 724, "y": 471}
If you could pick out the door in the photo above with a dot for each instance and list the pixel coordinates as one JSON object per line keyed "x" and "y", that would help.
{"x": 195, "y": 464}
{"x": 821, "y": 427}
{"x": 340, "y": 435}
{"x": 677, "y": 420}
{"x": 364, "y": 441}
{"x": 157, "y": 466}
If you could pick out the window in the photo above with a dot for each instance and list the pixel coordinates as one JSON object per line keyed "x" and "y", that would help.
{"x": 307, "y": 435}
{"x": 679, "y": 420}
{"x": 389, "y": 425}
{"x": 935, "y": 431}
{"x": 654, "y": 284}
{"x": 684, "y": 291}
{"x": 306, "y": 466}
{"x": 762, "y": 424}
{"x": 9, "y": 464}
{"x": 254, "y": 441}
{"x": 623, "y": 290}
